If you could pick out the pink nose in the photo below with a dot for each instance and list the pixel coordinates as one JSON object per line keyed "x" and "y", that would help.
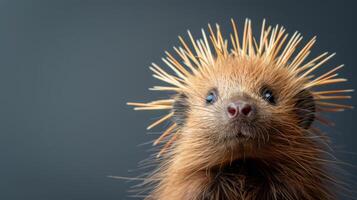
{"x": 239, "y": 108}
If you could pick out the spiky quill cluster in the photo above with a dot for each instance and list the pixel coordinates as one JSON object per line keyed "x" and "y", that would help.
{"x": 273, "y": 47}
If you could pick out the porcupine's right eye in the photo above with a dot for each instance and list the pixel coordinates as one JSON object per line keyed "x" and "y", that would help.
{"x": 211, "y": 97}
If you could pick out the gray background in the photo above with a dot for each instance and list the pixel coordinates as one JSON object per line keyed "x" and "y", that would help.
{"x": 68, "y": 67}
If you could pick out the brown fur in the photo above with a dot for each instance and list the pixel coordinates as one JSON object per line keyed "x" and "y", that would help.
{"x": 278, "y": 157}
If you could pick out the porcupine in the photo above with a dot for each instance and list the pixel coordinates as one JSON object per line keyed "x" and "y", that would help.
{"x": 241, "y": 118}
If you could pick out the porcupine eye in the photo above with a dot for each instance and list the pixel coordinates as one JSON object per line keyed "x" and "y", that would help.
{"x": 305, "y": 108}
{"x": 267, "y": 95}
{"x": 211, "y": 97}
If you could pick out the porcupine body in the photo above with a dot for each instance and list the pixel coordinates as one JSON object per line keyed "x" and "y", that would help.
{"x": 242, "y": 119}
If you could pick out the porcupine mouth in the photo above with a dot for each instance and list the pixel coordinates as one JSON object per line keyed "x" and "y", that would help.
{"x": 236, "y": 136}
{"x": 237, "y": 132}
{"x": 239, "y": 143}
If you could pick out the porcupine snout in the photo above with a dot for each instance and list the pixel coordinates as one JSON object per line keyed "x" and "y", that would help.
{"x": 240, "y": 112}
{"x": 239, "y": 109}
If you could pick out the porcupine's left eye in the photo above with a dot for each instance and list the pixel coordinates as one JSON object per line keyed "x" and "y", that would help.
{"x": 268, "y": 95}
{"x": 211, "y": 97}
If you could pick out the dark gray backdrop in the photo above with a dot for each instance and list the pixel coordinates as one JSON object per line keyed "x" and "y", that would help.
{"x": 68, "y": 67}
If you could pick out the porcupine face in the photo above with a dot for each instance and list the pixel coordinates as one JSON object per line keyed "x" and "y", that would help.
{"x": 243, "y": 101}
{"x": 249, "y": 92}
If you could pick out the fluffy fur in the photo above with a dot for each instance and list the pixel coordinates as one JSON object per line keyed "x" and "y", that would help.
{"x": 277, "y": 154}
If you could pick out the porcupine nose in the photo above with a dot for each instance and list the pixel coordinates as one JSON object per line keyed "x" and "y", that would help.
{"x": 239, "y": 108}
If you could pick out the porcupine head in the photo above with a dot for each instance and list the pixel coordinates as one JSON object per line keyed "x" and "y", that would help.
{"x": 241, "y": 118}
